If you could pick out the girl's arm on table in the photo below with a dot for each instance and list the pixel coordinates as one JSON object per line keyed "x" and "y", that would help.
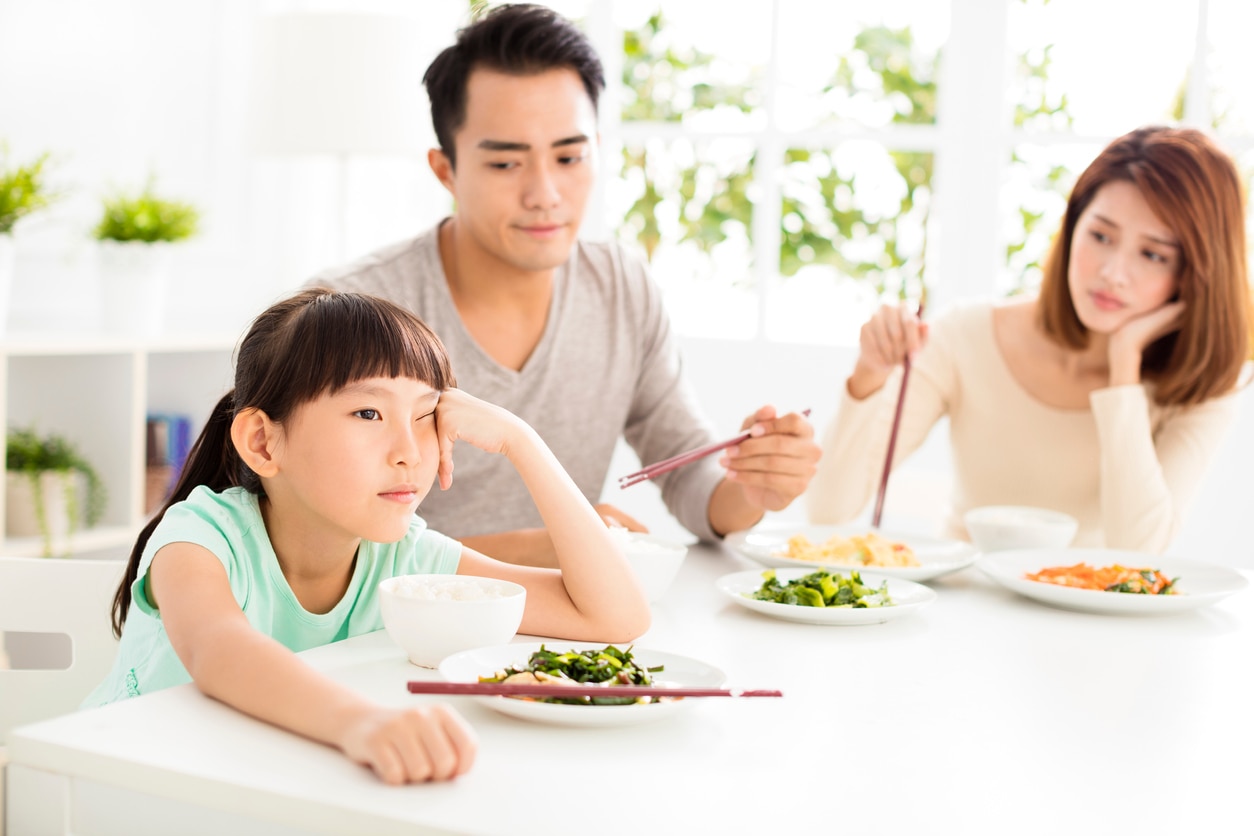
{"x": 595, "y": 595}
{"x": 233, "y": 662}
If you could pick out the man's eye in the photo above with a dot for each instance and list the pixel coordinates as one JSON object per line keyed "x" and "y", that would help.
{"x": 502, "y": 166}
{"x": 368, "y": 414}
{"x": 571, "y": 160}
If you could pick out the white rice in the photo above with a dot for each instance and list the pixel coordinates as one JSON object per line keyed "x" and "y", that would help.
{"x": 636, "y": 543}
{"x": 445, "y": 590}
{"x": 1015, "y": 516}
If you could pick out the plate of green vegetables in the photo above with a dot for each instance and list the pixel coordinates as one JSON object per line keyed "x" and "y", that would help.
{"x": 825, "y": 596}
{"x": 555, "y": 661}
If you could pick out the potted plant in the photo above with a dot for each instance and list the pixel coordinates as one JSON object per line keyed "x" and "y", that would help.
{"x": 51, "y": 490}
{"x": 22, "y": 191}
{"x": 134, "y": 235}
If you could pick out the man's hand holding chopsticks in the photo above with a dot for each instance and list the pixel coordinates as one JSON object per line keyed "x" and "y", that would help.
{"x": 766, "y": 472}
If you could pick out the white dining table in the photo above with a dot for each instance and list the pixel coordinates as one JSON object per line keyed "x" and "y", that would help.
{"x": 983, "y": 713}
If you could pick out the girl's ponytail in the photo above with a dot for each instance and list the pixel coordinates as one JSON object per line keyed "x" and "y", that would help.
{"x": 213, "y": 462}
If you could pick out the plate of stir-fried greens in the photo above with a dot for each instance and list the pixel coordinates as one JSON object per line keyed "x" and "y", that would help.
{"x": 825, "y": 596}
{"x": 557, "y": 662}
{"x": 1111, "y": 580}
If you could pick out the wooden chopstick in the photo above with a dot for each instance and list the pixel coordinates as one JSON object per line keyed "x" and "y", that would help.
{"x": 667, "y": 465}
{"x": 878, "y": 513}
{"x": 512, "y": 689}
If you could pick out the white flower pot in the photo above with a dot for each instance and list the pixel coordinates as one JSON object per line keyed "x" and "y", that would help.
{"x": 54, "y": 514}
{"x": 133, "y": 280}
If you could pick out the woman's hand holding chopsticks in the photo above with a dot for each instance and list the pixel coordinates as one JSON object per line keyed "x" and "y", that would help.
{"x": 892, "y": 334}
{"x": 891, "y": 337}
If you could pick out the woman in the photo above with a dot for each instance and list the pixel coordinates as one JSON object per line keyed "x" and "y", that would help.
{"x": 1106, "y": 395}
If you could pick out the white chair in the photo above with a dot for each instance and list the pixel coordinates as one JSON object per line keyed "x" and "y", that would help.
{"x": 51, "y": 595}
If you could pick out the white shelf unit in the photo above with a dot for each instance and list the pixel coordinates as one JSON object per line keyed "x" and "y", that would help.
{"x": 98, "y": 394}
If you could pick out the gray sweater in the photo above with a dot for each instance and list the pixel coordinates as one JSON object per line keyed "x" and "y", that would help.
{"x": 607, "y": 365}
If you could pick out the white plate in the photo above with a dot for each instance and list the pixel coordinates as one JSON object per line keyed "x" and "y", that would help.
{"x": 908, "y": 598}
{"x": 1200, "y": 584}
{"x": 936, "y": 556}
{"x": 469, "y": 665}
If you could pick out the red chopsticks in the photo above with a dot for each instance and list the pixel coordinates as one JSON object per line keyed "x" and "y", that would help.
{"x": 667, "y": 465}
{"x": 512, "y": 689}
{"x": 878, "y": 513}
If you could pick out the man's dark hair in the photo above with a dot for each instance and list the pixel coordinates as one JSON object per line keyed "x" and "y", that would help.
{"x": 518, "y": 39}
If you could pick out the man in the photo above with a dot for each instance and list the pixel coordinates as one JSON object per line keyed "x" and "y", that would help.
{"x": 569, "y": 335}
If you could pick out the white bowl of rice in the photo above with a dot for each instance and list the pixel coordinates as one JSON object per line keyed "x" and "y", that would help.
{"x": 434, "y": 616}
{"x": 655, "y": 560}
{"x": 995, "y": 528}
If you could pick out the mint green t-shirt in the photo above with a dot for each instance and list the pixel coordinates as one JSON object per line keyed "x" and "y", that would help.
{"x": 229, "y": 525}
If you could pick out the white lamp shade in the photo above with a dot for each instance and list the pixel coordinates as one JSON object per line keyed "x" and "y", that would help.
{"x": 338, "y": 84}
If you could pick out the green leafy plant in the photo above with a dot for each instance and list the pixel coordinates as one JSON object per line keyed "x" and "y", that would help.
{"x": 22, "y": 189}
{"x": 146, "y": 217}
{"x": 28, "y": 453}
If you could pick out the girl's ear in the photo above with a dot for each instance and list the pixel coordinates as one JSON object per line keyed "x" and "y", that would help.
{"x": 254, "y": 436}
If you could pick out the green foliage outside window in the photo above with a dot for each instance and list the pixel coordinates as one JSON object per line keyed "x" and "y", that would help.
{"x": 885, "y": 66}
{"x": 1042, "y": 111}
{"x": 663, "y": 84}
{"x": 822, "y": 220}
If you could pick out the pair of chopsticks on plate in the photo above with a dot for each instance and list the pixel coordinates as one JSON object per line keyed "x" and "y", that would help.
{"x": 878, "y": 513}
{"x": 667, "y": 465}
{"x": 516, "y": 689}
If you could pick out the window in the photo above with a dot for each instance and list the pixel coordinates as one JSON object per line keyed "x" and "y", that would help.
{"x": 788, "y": 166}
{"x": 783, "y": 188}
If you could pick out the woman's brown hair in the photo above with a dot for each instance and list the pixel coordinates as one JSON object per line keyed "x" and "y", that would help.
{"x": 1193, "y": 187}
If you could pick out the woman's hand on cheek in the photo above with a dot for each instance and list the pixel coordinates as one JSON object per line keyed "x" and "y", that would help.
{"x": 1130, "y": 341}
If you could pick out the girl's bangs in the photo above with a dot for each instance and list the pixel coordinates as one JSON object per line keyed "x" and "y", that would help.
{"x": 344, "y": 338}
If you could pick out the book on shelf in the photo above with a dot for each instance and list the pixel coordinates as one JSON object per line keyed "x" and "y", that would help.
{"x": 169, "y": 438}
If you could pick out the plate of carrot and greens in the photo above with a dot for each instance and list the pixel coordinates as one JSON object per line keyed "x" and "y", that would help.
{"x": 1110, "y": 580}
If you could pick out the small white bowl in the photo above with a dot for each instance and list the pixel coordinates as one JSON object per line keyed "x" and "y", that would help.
{"x": 434, "y": 616}
{"x": 656, "y": 561}
{"x": 1000, "y": 527}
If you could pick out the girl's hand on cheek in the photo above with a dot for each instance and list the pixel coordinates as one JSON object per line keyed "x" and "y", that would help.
{"x": 460, "y": 416}
{"x": 414, "y": 745}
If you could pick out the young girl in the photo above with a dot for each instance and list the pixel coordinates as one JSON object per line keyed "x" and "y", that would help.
{"x": 299, "y": 497}
{"x": 1106, "y": 395}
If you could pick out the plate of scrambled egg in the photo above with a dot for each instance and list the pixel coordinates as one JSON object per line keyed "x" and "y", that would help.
{"x": 911, "y": 557}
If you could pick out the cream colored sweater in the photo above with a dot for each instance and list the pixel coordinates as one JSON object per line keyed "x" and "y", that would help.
{"x": 1126, "y": 468}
